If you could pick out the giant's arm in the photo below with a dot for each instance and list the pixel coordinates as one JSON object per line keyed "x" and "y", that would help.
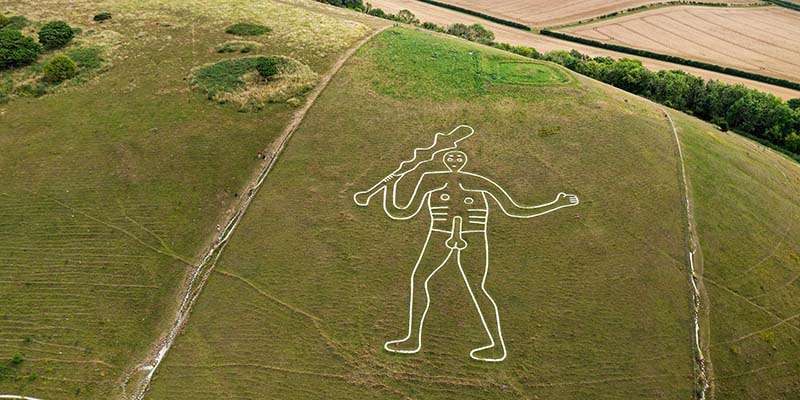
{"x": 414, "y": 204}
{"x": 514, "y": 209}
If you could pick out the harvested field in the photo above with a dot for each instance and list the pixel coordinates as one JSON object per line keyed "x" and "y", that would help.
{"x": 760, "y": 40}
{"x": 443, "y": 16}
{"x": 541, "y": 13}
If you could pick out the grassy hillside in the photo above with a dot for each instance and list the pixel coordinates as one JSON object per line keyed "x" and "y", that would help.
{"x": 747, "y": 202}
{"x": 110, "y": 188}
{"x": 594, "y": 299}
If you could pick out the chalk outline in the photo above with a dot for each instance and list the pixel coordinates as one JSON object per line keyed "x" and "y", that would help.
{"x": 572, "y": 201}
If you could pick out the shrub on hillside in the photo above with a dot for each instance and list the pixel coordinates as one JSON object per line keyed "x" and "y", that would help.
{"x": 474, "y": 33}
{"x": 59, "y": 69}
{"x": 55, "y": 34}
{"x": 103, "y": 16}
{"x": 247, "y": 29}
{"x": 16, "y": 49}
{"x": 377, "y": 12}
{"x": 406, "y": 17}
{"x": 4, "y": 20}
{"x": 267, "y": 67}
{"x": 353, "y": 4}
{"x": 432, "y": 27}
{"x": 16, "y": 22}
{"x": 794, "y": 104}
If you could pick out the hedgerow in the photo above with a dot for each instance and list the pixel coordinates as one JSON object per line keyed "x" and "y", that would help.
{"x": 758, "y": 115}
{"x": 479, "y": 14}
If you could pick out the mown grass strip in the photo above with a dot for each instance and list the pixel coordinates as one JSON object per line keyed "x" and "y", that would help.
{"x": 674, "y": 59}
{"x": 479, "y": 14}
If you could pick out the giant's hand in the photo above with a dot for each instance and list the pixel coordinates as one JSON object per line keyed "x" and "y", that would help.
{"x": 362, "y": 198}
{"x": 567, "y": 200}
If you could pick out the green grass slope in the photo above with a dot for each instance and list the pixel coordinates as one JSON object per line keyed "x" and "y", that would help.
{"x": 747, "y": 201}
{"x": 109, "y": 190}
{"x": 595, "y": 300}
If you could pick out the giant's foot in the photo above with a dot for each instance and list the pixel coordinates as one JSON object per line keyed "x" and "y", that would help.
{"x": 492, "y": 353}
{"x": 405, "y": 346}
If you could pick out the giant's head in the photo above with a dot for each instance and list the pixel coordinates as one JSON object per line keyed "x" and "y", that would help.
{"x": 455, "y": 160}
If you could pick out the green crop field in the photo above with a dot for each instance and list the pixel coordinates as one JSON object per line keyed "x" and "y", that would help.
{"x": 115, "y": 184}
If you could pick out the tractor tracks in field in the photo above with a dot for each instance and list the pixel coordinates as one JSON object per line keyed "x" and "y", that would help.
{"x": 694, "y": 256}
{"x": 138, "y": 379}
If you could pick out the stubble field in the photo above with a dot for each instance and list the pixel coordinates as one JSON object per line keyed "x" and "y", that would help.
{"x": 761, "y": 40}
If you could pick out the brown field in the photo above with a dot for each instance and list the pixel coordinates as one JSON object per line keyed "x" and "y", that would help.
{"x": 761, "y": 40}
{"x": 541, "y": 13}
{"x": 503, "y": 33}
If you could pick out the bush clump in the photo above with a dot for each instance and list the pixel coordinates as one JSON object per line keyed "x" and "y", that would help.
{"x": 16, "y": 22}
{"x": 248, "y": 29}
{"x": 16, "y": 49}
{"x": 267, "y": 67}
{"x": 59, "y": 69}
{"x": 474, "y": 33}
{"x": 251, "y": 82}
{"x": 55, "y": 34}
{"x": 4, "y": 21}
{"x": 103, "y": 16}
{"x": 238, "y": 46}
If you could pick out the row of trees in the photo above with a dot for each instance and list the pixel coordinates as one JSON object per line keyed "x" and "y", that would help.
{"x": 17, "y": 49}
{"x": 751, "y": 112}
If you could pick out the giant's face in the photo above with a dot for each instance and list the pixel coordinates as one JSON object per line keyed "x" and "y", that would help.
{"x": 455, "y": 160}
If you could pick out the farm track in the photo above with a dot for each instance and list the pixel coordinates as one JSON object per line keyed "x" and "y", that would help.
{"x": 442, "y": 16}
{"x": 198, "y": 276}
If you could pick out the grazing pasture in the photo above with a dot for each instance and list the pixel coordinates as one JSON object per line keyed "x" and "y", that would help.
{"x": 762, "y": 40}
{"x": 541, "y": 13}
{"x": 110, "y": 187}
{"x": 594, "y": 299}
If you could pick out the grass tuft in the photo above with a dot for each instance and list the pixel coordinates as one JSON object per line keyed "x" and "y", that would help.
{"x": 238, "y": 46}
{"x": 248, "y": 29}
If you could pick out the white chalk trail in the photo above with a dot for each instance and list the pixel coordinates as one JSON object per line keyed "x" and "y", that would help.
{"x": 201, "y": 272}
{"x": 694, "y": 245}
{"x": 16, "y": 397}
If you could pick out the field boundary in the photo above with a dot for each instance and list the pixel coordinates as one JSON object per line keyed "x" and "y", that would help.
{"x": 198, "y": 276}
{"x": 785, "y": 4}
{"x": 674, "y": 59}
{"x": 479, "y": 14}
{"x": 694, "y": 260}
{"x": 655, "y": 6}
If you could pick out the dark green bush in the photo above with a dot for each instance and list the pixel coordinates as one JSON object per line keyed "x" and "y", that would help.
{"x": 377, "y": 12}
{"x": 267, "y": 67}
{"x": 4, "y": 20}
{"x": 16, "y": 22}
{"x": 353, "y": 4}
{"x": 103, "y": 16}
{"x": 59, "y": 69}
{"x": 432, "y": 27}
{"x": 55, "y": 34}
{"x": 17, "y": 49}
{"x": 794, "y": 104}
{"x": 474, "y": 33}
{"x": 247, "y": 29}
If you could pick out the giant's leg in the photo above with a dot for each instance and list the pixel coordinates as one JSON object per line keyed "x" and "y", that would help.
{"x": 473, "y": 262}
{"x": 433, "y": 257}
